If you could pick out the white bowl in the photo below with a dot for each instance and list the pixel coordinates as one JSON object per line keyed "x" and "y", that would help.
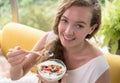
{"x": 52, "y": 70}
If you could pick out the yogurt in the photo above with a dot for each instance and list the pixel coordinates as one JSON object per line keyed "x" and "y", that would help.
{"x": 52, "y": 70}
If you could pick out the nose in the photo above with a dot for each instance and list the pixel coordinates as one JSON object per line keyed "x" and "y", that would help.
{"x": 69, "y": 30}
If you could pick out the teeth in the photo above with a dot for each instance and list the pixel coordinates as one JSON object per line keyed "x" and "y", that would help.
{"x": 68, "y": 38}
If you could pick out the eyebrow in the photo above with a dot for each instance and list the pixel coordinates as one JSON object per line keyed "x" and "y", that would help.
{"x": 76, "y": 21}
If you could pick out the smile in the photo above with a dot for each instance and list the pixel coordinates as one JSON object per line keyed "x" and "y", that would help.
{"x": 68, "y": 38}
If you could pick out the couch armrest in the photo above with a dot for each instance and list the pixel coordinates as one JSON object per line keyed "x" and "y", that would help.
{"x": 14, "y": 34}
{"x": 0, "y": 37}
{"x": 114, "y": 63}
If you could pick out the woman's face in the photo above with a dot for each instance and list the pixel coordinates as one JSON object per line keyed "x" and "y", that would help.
{"x": 74, "y": 26}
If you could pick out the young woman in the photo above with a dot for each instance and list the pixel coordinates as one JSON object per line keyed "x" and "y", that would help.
{"x": 76, "y": 21}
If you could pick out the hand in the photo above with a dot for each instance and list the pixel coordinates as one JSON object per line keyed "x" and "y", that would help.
{"x": 16, "y": 57}
{"x": 63, "y": 80}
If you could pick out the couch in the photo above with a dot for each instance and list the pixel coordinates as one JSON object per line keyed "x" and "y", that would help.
{"x": 16, "y": 34}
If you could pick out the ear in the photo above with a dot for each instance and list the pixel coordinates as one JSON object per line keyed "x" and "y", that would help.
{"x": 93, "y": 28}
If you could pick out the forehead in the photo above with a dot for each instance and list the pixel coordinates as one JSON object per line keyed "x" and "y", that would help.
{"x": 78, "y": 13}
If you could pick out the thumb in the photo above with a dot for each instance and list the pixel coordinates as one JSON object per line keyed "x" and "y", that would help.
{"x": 17, "y": 47}
{"x": 64, "y": 78}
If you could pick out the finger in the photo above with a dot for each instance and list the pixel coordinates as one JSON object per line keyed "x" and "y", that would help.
{"x": 13, "y": 49}
{"x": 17, "y": 48}
{"x": 40, "y": 78}
{"x": 16, "y": 57}
{"x": 15, "y": 52}
{"x": 16, "y": 60}
{"x": 64, "y": 78}
{"x": 42, "y": 51}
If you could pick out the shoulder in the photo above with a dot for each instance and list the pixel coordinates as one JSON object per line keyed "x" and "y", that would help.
{"x": 98, "y": 67}
{"x": 101, "y": 60}
{"x": 104, "y": 78}
{"x": 49, "y": 36}
{"x": 99, "y": 63}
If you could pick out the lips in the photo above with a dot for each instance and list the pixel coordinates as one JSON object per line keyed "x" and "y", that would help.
{"x": 68, "y": 38}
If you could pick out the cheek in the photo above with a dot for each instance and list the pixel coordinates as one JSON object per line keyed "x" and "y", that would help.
{"x": 82, "y": 34}
{"x": 60, "y": 28}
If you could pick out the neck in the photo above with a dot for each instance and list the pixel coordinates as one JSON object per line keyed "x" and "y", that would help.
{"x": 76, "y": 50}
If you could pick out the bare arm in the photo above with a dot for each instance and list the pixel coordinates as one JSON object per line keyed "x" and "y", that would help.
{"x": 21, "y": 62}
{"x": 31, "y": 59}
{"x": 104, "y": 78}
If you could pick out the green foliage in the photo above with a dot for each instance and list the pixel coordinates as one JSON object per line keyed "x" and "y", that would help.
{"x": 35, "y": 13}
{"x": 110, "y": 26}
{"x": 24, "y": 3}
{"x": 5, "y": 13}
{"x": 38, "y": 16}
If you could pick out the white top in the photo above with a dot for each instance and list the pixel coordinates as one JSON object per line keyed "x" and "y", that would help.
{"x": 89, "y": 72}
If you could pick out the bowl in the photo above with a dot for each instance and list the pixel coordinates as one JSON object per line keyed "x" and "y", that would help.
{"x": 52, "y": 70}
